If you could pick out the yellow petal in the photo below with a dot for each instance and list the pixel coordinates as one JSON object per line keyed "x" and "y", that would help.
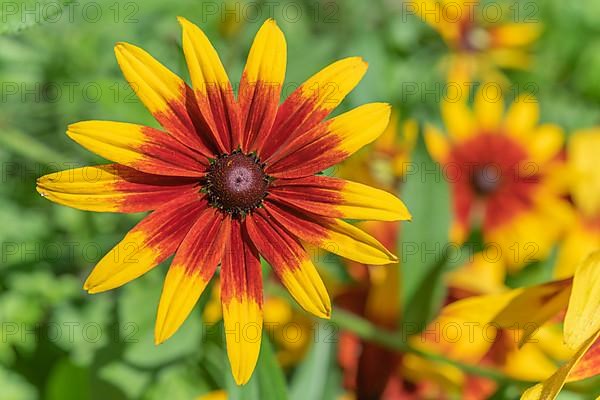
{"x": 128, "y": 260}
{"x": 112, "y": 188}
{"x": 583, "y": 319}
{"x": 583, "y": 150}
{"x": 137, "y": 146}
{"x": 243, "y": 333}
{"x": 437, "y": 144}
{"x": 515, "y": 34}
{"x": 86, "y": 188}
{"x": 149, "y": 243}
{"x": 268, "y": 56}
{"x": 367, "y": 203}
{"x": 459, "y": 119}
{"x": 328, "y": 87}
{"x": 216, "y": 395}
{"x": 307, "y": 288}
{"x": 529, "y": 363}
{"x": 351, "y": 242}
{"x": 180, "y": 293}
{"x": 545, "y": 143}
{"x": 192, "y": 268}
{"x": 204, "y": 64}
{"x": 360, "y": 126}
{"x": 154, "y": 84}
{"x": 489, "y": 107}
{"x": 522, "y": 116}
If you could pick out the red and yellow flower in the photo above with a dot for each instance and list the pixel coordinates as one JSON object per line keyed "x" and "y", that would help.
{"x": 229, "y": 180}
{"x": 480, "y": 40}
{"x": 505, "y": 173}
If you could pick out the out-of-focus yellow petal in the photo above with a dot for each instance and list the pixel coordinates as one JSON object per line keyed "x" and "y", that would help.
{"x": 459, "y": 119}
{"x": 515, "y": 34}
{"x": 583, "y": 317}
{"x": 528, "y": 363}
{"x": 545, "y": 143}
{"x": 437, "y": 144}
{"x": 481, "y": 276}
{"x": 549, "y": 338}
{"x": 522, "y": 116}
{"x": 579, "y": 242}
{"x": 277, "y": 311}
{"x": 583, "y": 150}
{"x": 510, "y": 58}
{"x": 216, "y": 395}
{"x": 489, "y": 107}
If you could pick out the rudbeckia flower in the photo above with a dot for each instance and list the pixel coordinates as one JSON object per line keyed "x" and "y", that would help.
{"x": 505, "y": 174}
{"x": 229, "y": 180}
{"x": 480, "y": 40}
{"x": 583, "y": 235}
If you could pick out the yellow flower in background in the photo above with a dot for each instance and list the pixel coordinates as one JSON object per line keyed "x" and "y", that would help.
{"x": 480, "y": 41}
{"x": 583, "y": 235}
{"x": 505, "y": 174}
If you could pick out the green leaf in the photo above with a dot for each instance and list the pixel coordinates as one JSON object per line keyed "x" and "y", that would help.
{"x": 129, "y": 380}
{"x": 310, "y": 380}
{"x": 271, "y": 379}
{"x": 137, "y": 313}
{"x": 68, "y": 382}
{"x": 15, "y": 387}
{"x": 423, "y": 243}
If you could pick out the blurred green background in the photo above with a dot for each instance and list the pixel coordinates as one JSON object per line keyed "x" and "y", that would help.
{"x": 57, "y": 67}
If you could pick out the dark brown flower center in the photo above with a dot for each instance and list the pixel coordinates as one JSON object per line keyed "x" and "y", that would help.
{"x": 236, "y": 183}
{"x": 486, "y": 179}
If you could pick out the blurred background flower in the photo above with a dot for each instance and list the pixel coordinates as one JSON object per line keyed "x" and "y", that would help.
{"x": 482, "y": 37}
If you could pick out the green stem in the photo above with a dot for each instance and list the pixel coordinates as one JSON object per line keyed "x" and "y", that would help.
{"x": 395, "y": 340}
